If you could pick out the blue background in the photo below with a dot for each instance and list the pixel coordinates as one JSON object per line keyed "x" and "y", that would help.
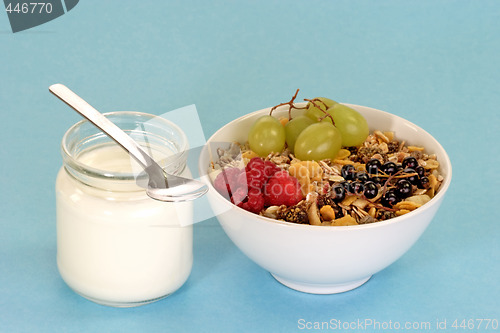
{"x": 435, "y": 63}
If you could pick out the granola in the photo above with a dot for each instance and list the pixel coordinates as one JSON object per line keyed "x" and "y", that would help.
{"x": 321, "y": 181}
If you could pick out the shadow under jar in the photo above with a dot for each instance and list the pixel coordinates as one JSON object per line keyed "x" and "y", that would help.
{"x": 115, "y": 245}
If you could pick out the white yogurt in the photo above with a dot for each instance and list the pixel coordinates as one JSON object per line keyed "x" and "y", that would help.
{"x": 115, "y": 245}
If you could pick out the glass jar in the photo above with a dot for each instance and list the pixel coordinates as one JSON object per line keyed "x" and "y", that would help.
{"x": 115, "y": 245}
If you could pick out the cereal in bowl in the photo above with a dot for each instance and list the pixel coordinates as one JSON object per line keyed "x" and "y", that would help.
{"x": 324, "y": 167}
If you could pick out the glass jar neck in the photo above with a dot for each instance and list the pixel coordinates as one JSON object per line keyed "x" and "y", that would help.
{"x": 95, "y": 160}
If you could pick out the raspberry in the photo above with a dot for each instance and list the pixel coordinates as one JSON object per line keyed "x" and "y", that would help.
{"x": 227, "y": 181}
{"x": 282, "y": 189}
{"x": 244, "y": 187}
{"x": 256, "y": 177}
{"x": 255, "y": 201}
{"x": 255, "y": 162}
{"x": 270, "y": 168}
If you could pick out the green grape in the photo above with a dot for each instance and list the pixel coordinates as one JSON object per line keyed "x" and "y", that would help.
{"x": 318, "y": 141}
{"x": 266, "y": 135}
{"x": 315, "y": 113}
{"x": 294, "y": 127}
{"x": 351, "y": 124}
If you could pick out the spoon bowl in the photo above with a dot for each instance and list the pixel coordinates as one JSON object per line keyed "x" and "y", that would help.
{"x": 161, "y": 185}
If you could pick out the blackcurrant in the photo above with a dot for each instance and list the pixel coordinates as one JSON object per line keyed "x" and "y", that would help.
{"x": 338, "y": 192}
{"x": 415, "y": 179}
{"x": 389, "y": 199}
{"x": 403, "y": 188}
{"x": 420, "y": 170}
{"x": 389, "y": 168}
{"x": 424, "y": 182}
{"x": 373, "y": 166}
{"x": 371, "y": 190}
{"x": 348, "y": 172}
{"x": 410, "y": 162}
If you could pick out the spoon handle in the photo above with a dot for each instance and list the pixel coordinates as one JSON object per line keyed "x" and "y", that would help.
{"x": 104, "y": 124}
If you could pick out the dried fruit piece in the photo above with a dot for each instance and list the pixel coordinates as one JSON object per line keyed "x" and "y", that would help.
{"x": 327, "y": 213}
{"x": 302, "y": 174}
{"x": 372, "y": 212}
{"x": 249, "y": 154}
{"x": 407, "y": 205}
{"x": 343, "y": 221}
{"x": 294, "y": 214}
{"x": 433, "y": 184}
{"x": 415, "y": 148}
{"x": 306, "y": 172}
{"x": 343, "y": 154}
{"x": 402, "y": 212}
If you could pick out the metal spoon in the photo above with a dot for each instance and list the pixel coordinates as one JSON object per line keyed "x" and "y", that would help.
{"x": 161, "y": 186}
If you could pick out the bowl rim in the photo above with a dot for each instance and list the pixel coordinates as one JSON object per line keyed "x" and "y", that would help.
{"x": 279, "y": 223}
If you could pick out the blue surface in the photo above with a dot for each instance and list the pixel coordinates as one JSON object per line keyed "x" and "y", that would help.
{"x": 435, "y": 63}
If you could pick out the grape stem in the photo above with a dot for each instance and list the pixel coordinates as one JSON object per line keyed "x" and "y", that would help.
{"x": 397, "y": 175}
{"x": 313, "y": 102}
{"x": 384, "y": 208}
{"x": 290, "y": 104}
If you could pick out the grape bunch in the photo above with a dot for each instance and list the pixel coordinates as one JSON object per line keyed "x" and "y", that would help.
{"x": 319, "y": 133}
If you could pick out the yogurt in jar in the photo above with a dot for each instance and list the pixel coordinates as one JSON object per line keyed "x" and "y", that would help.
{"x": 115, "y": 245}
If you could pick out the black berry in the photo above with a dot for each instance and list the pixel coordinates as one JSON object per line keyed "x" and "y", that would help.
{"x": 420, "y": 170}
{"x": 373, "y": 166}
{"x": 338, "y": 192}
{"x": 410, "y": 162}
{"x": 348, "y": 172}
{"x": 415, "y": 179}
{"x": 389, "y": 168}
{"x": 403, "y": 188}
{"x": 371, "y": 190}
{"x": 389, "y": 199}
{"x": 424, "y": 182}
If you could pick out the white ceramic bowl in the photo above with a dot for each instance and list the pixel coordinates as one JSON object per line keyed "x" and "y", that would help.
{"x": 321, "y": 259}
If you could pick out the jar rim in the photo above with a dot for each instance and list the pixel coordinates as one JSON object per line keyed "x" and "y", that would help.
{"x": 71, "y": 160}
